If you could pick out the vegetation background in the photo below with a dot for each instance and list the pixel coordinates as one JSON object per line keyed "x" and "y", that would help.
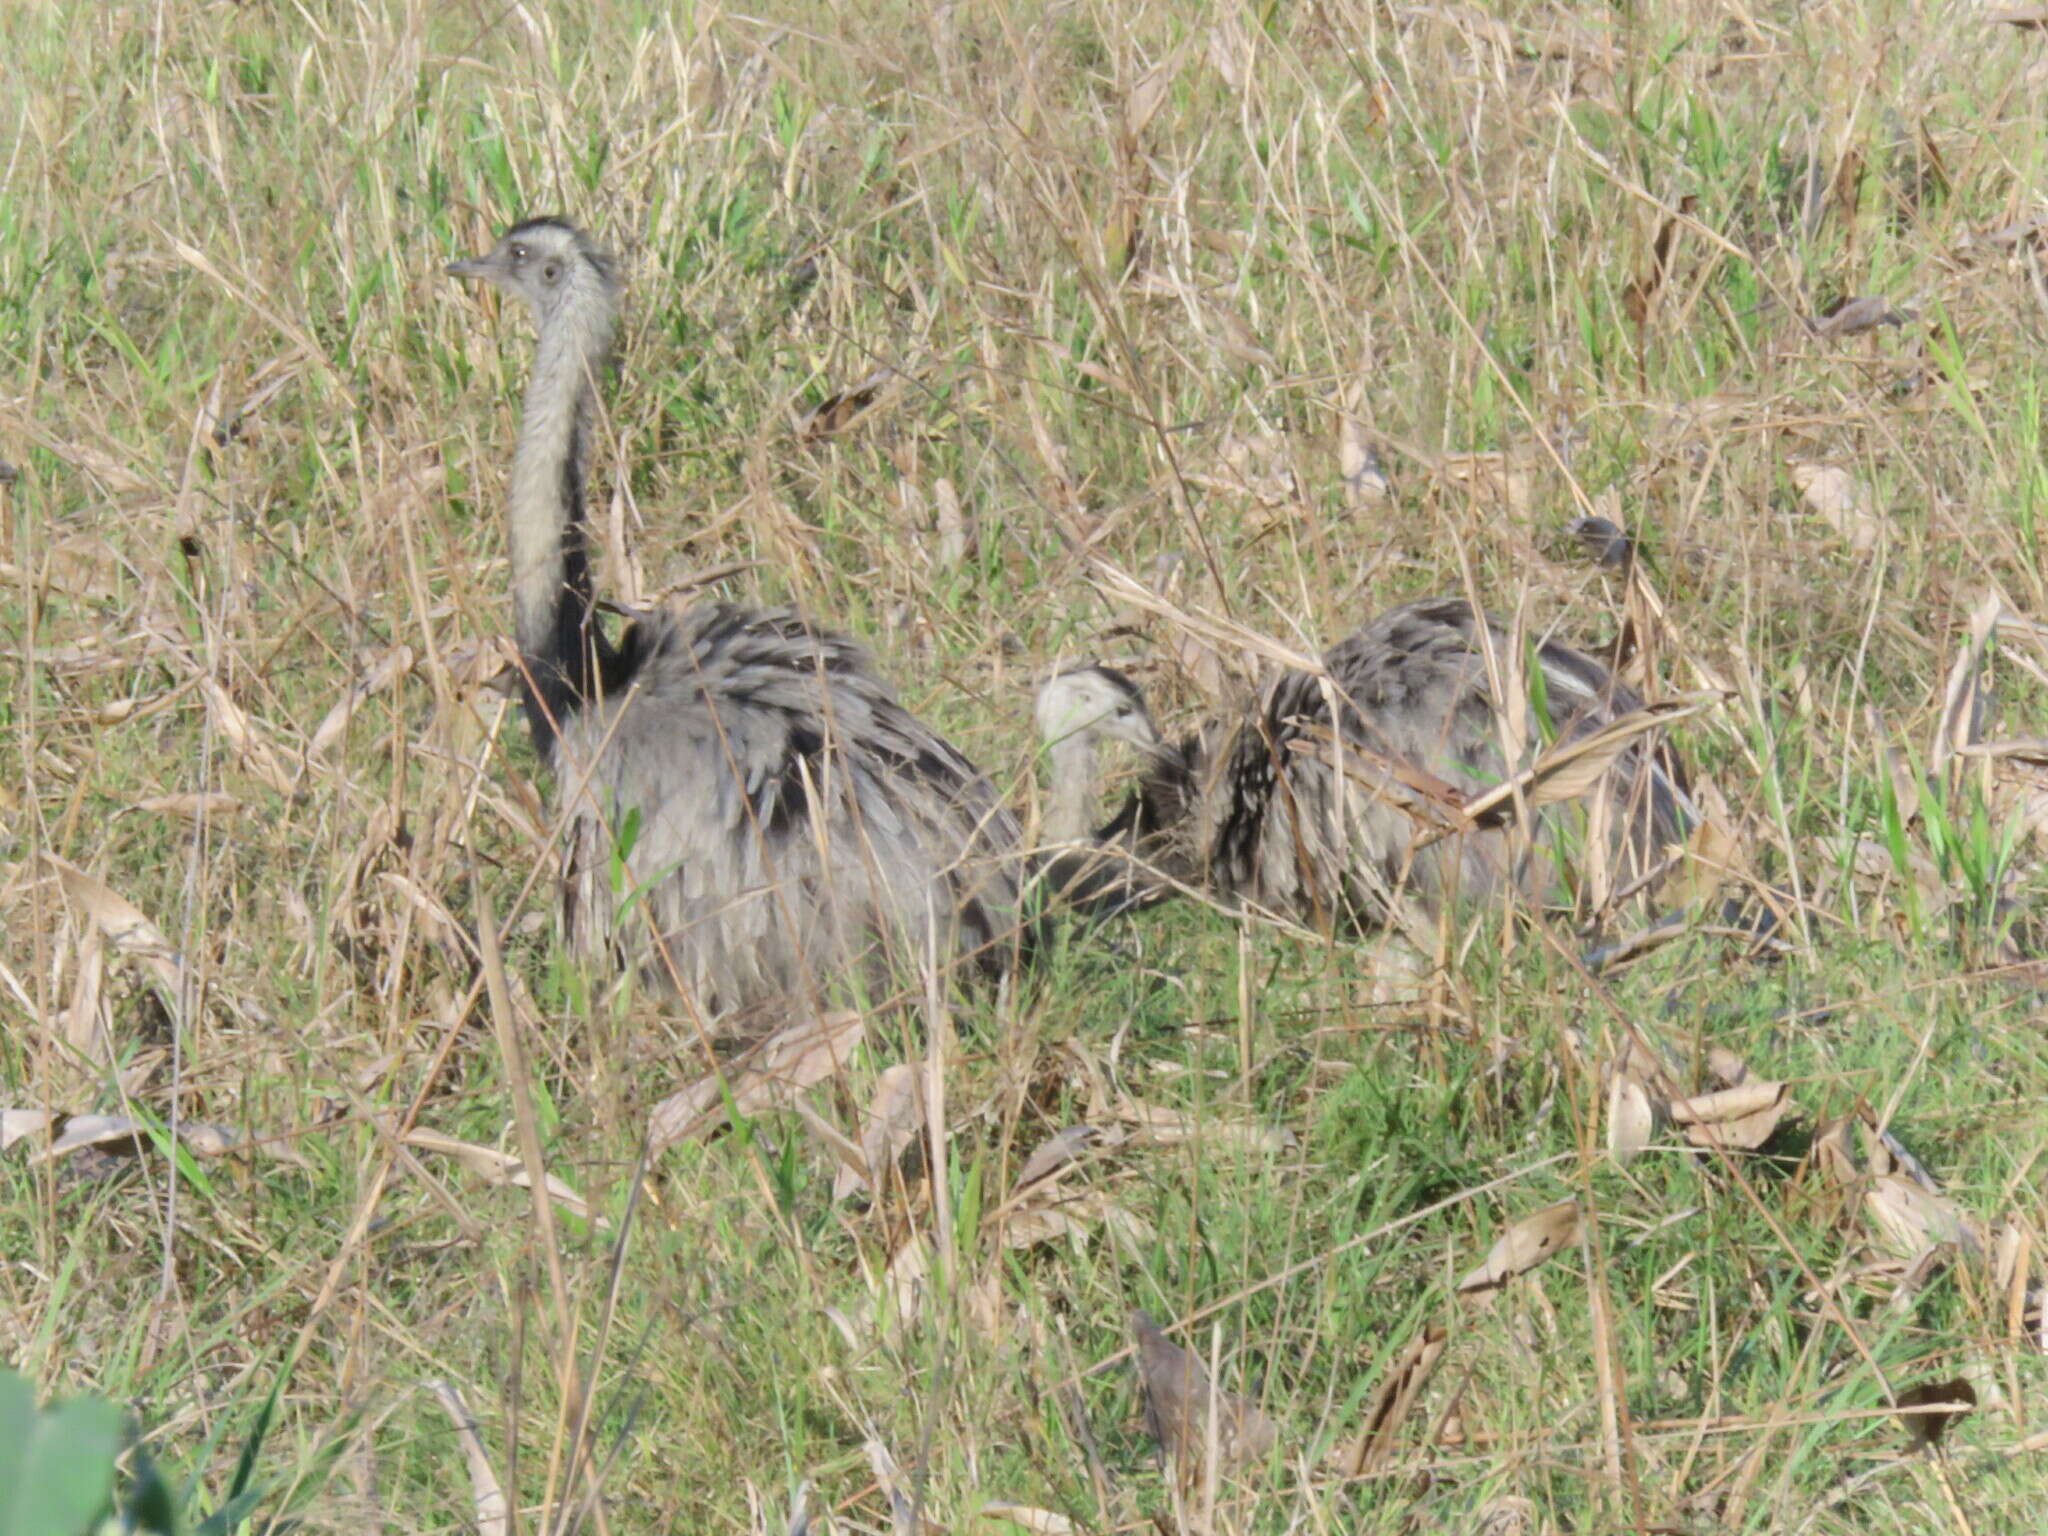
{"x": 1291, "y": 311}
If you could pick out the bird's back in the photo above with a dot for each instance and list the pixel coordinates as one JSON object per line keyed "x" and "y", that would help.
{"x": 785, "y": 820}
{"x": 1325, "y": 788}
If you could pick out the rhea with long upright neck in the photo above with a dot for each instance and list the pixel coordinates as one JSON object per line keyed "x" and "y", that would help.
{"x": 573, "y": 291}
{"x": 792, "y": 826}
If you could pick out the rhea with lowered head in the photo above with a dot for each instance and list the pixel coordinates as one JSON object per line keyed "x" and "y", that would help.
{"x": 1320, "y": 802}
{"x": 784, "y": 821}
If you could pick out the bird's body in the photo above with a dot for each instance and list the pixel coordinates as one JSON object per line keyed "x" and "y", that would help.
{"x": 751, "y": 815}
{"x": 1319, "y": 803}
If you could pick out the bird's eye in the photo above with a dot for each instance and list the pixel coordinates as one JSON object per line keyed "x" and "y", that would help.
{"x": 551, "y": 271}
{"x": 518, "y": 252}
{"x": 1123, "y": 710}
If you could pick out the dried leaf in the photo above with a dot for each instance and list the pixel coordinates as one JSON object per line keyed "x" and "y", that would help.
{"x": 903, "y": 1520}
{"x": 1178, "y": 1393}
{"x": 1505, "y": 479}
{"x": 207, "y": 805}
{"x": 1148, "y": 94}
{"x": 493, "y": 1512}
{"x": 1507, "y": 1514}
{"x": 1059, "y": 1150}
{"x": 1852, "y": 317}
{"x": 954, "y": 536}
{"x": 258, "y": 757}
{"x": 1576, "y": 767}
{"x": 903, "y": 1282}
{"x": 1962, "y": 707}
{"x": 15, "y": 1124}
{"x": 1739, "y": 1119}
{"x": 501, "y": 1168}
{"x": 843, "y": 407}
{"x": 1640, "y": 297}
{"x": 786, "y": 1063}
{"x": 1040, "y": 1522}
{"x": 1392, "y": 1401}
{"x": 894, "y": 1118}
{"x": 2028, "y": 18}
{"x": 1910, "y": 1219}
{"x": 1832, "y": 494}
{"x": 1630, "y": 1119}
{"x": 1046, "y": 1215}
{"x": 1526, "y": 1244}
{"x": 393, "y": 664}
{"x": 1930, "y": 1409}
{"x": 119, "y": 922}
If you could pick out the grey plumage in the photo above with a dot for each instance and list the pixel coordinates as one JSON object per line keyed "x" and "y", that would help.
{"x": 1258, "y": 809}
{"x": 783, "y": 821}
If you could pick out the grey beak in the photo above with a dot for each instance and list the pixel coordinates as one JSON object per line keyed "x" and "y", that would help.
{"x": 470, "y": 266}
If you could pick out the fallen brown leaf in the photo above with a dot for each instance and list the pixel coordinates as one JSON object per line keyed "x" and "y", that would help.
{"x": 1832, "y": 494}
{"x": 1523, "y": 1246}
{"x": 786, "y": 1063}
{"x": 1392, "y": 1400}
{"x": 1739, "y": 1119}
{"x": 1178, "y": 1393}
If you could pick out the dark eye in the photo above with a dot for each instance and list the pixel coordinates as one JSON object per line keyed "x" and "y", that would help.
{"x": 518, "y": 252}
{"x": 551, "y": 271}
{"x": 1123, "y": 710}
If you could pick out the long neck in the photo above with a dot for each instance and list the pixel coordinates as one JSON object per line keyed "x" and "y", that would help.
{"x": 1072, "y": 794}
{"x": 561, "y": 644}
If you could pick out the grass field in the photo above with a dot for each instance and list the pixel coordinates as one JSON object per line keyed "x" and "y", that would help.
{"x": 1291, "y": 311}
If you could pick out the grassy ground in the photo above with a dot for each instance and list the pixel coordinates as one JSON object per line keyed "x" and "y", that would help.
{"x": 1151, "y": 280}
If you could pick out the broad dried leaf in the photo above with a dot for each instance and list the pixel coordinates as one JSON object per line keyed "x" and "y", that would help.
{"x": 1630, "y": 1119}
{"x": 889, "y": 1478}
{"x": 1046, "y": 1215}
{"x": 393, "y": 664}
{"x": 1039, "y": 1522}
{"x": 1060, "y": 1150}
{"x": 843, "y": 407}
{"x": 1508, "y": 1514}
{"x": 15, "y": 1124}
{"x": 1148, "y": 94}
{"x": 493, "y": 1512}
{"x": 1725, "y": 1069}
{"x": 1392, "y": 1401}
{"x": 1576, "y": 767}
{"x": 1178, "y": 1393}
{"x": 1640, "y": 296}
{"x": 119, "y": 921}
{"x": 1159, "y": 1126}
{"x": 206, "y": 805}
{"x": 1526, "y": 1244}
{"x": 1506, "y": 479}
{"x": 783, "y": 1065}
{"x": 252, "y": 747}
{"x": 1911, "y": 1219}
{"x": 2028, "y": 18}
{"x": 501, "y": 1168}
{"x": 1962, "y": 705}
{"x": 1739, "y": 1119}
{"x": 1852, "y": 317}
{"x": 893, "y": 1118}
{"x": 1832, "y": 494}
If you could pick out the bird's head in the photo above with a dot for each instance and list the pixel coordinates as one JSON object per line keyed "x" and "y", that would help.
{"x": 1095, "y": 703}
{"x": 548, "y": 262}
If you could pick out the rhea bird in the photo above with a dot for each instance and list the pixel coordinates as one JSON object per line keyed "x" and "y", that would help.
{"x": 1324, "y": 803}
{"x": 750, "y": 813}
